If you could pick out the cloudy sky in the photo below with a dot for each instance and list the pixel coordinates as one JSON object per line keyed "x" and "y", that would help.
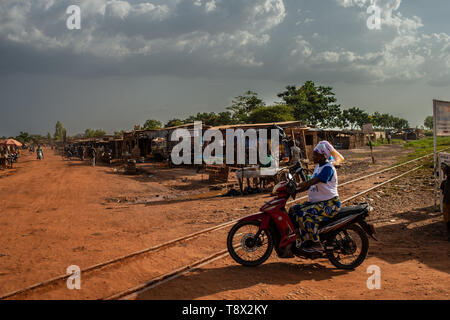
{"x": 133, "y": 60}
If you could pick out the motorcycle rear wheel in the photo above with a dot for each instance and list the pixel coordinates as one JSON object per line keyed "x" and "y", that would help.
{"x": 347, "y": 246}
{"x": 246, "y": 244}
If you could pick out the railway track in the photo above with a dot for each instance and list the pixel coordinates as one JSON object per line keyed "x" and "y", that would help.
{"x": 187, "y": 268}
{"x": 133, "y": 293}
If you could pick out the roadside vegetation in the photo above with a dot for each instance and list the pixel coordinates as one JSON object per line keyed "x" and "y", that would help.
{"x": 424, "y": 146}
{"x": 385, "y": 142}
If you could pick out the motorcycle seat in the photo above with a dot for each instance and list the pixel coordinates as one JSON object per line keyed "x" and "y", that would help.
{"x": 344, "y": 212}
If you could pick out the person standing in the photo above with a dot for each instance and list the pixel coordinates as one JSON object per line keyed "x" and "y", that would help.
{"x": 92, "y": 155}
{"x": 296, "y": 152}
{"x": 3, "y": 157}
{"x": 445, "y": 187}
{"x": 81, "y": 152}
{"x": 40, "y": 153}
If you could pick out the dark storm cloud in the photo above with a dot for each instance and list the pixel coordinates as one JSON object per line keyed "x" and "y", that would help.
{"x": 252, "y": 43}
{"x": 275, "y": 38}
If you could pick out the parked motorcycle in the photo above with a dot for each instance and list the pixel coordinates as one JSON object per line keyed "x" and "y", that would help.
{"x": 295, "y": 172}
{"x": 107, "y": 157}
{"x": 251, "y": 240}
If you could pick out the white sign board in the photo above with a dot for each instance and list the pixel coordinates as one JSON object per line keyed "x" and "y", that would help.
{"x": 367, "y": 128}
{"x": 441, "y": 112}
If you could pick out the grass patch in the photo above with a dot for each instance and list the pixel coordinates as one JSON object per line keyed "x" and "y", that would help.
{"x": 385, "y": 142}
{"x": 424, "y": 146}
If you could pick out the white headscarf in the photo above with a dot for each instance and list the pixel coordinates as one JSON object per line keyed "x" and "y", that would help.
{"x": 325, "y": 148}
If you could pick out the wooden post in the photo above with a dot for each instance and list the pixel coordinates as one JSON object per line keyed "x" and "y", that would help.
{"x": 371, "y": 150}
{"x": 293, "y": 136}
{"x": 304, "y": 144}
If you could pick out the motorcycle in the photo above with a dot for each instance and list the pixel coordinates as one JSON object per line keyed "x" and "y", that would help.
{"x": 107, "y": 157}
{"x": 251, "y": 240}
{"x": 295, "y": 172}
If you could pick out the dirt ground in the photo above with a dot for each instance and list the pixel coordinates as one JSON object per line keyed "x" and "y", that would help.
{"x": 57, "y": 213}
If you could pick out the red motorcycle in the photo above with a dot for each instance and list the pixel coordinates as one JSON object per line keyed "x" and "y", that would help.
{"x": 251, "y": 240}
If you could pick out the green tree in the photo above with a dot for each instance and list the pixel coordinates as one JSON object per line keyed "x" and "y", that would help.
{"x": 224, "y": 118}
{"x": 355, "y": 117}
{"x": 429, "y": 122}
{"x": 59, "y": 131}
{"x": 23, "y": 137}
{"x": 97, "y": 133}
{"x": 151, "y": 124}
{"x": 242, "y": 106}
{"x": 313, "y": 105}
{"x": 173, "y": 123}
{"x": 277, "y": 113}
{"x": 211, "y": 118}
{"x": 400, "y": 123}
{"x": 208, "y": 118}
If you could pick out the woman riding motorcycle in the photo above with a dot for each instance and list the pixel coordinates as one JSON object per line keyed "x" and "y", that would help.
{"x": 323, "y": 198}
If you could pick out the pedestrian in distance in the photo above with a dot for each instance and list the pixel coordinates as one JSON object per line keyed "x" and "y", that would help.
{"x": 40, "y": 153}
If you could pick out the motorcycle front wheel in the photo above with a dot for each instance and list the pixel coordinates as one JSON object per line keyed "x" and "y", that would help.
{"x": 350, "y": 247}
{"x": 244, "y": 248}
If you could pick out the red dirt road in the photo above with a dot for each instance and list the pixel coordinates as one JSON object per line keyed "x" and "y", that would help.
{"x": 57, "y": 213}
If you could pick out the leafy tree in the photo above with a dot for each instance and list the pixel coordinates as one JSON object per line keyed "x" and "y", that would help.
{"x": 400, "y": 123}
{"x": 224, "y": 118}
{"x": 208, "y": 118}
{"x": 151, "y": 124}
{"x": 313, "y": 105}
{"x": 429, "y": 122}
{"x": 242, "y": 106}
{"x": 211, "y": 118}
{"x": 97, "y": 133}
{"x": 355, "y": 117}
{"x": 174, "y": 123}
{"x": 23, "y": 137}
{"x": 277, "y": 113}
{"x": 59, "y": 131}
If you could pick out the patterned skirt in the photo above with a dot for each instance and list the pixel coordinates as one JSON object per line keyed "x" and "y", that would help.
{"x": 309, "y": 214}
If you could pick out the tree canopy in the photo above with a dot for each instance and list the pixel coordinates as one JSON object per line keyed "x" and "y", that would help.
{"x": 60, "y": 132}
{"x": 277, "y": 113}
{"x": 94, "y": 133}
{"x": 313, "y": 105}
{"x": 173, "y": 123}
{"x": 151, "y": 124}
{"x": 242, "y": 106}
{"x": 429, "y": 122}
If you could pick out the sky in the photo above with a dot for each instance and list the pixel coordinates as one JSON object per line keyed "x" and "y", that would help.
{"x": 162, "y": 59}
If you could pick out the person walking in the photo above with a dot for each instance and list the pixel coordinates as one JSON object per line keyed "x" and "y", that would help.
{"x": 92, "y": 154}
{"x": 40, "y": 153}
